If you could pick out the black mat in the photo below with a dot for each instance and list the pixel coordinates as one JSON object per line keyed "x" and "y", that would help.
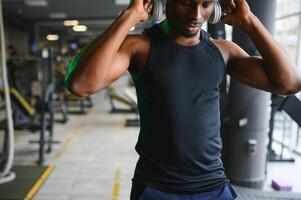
{"x": 253, "y": 194}
{"x": 26, "y": 178}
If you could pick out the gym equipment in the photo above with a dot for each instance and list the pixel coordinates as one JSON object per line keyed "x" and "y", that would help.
{"x": 60, "y": 103}
{"x": 133, "y": 98}
{"x": 6, "y": 159}
{"x": 217, "y": 31}
{"x": 59, "y": 98}
{"x": 281, "y": 186}
{"x": 292, "y": 106}
{"x": 254, "y": 194}
{"x": 111, "y": 93}
{"x": 157, "y": 9}
{"x": 46, "y": 106}
{"x": 61, "y": 107}
{"x": 130, "y": 100}
{"x": 28, "y": 180}
{"x": 23, "y": 112}
{"x": 32, "y": 103}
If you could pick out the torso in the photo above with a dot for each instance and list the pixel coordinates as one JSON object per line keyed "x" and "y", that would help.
{"x": 178, "y": 102}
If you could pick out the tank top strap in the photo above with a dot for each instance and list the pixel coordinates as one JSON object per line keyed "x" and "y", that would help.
{"x": 205, "y": 35}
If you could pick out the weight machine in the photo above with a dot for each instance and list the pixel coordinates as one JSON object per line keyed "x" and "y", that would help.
{"x": 292, "y": 106}
{"x": 32, "y": 98}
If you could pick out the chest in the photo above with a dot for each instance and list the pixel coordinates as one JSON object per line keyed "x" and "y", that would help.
{"x": 175, "y": 69}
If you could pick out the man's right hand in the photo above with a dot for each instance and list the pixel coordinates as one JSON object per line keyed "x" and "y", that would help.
{"x": 141, "y": 7}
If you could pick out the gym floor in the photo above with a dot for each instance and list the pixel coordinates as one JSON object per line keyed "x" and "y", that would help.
{"x": 96, "y": 156}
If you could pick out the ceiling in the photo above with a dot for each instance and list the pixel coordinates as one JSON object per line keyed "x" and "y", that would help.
{"x": 97, "y": 15}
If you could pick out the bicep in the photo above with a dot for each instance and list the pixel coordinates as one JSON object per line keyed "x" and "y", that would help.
{"x": 119, "y": 66}
{"x": 250, "y": 70}
{"x": 121, "y": 61}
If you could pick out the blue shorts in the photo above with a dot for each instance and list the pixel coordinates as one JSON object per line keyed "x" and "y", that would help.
{"x": 140, "y": 192}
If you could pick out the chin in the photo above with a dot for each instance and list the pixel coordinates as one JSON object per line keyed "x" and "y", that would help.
{"x": 189, "y": 34}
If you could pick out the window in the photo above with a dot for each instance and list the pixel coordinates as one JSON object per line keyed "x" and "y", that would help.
{"x": 286, "y": 8}
{"x": 288, "y": 35}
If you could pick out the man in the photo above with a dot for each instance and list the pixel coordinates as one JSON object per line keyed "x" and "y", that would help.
{"x": 177, "y": 70}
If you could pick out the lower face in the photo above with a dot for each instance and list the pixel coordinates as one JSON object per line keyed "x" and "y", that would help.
{"x": 181, "y": 22}
{"x": 186, "y": 29}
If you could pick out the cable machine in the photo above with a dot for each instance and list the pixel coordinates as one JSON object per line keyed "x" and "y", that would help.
{"x": 5, "y": 174}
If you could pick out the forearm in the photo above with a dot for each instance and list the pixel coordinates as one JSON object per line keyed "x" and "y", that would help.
{"x": 279, "y": 66}
{"x": 91, "y": 67}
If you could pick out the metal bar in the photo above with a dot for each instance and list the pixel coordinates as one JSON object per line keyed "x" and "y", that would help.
{"x": 6, "y": 175}
{"x": 288, "y": 16}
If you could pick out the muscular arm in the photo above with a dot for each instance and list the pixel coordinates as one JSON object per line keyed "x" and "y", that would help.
{"x": 274, "y": 72}
{"x": 107, "y": 57}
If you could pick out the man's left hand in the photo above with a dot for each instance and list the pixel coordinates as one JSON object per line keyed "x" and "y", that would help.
{"x": 237, "y": 13}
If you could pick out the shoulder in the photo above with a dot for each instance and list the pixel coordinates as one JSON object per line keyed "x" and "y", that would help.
{"x": 139, "y": 48}
{"x": 136, "y": 42}
{"x": 137, "y": 38}
{"x": 229, "y": 49}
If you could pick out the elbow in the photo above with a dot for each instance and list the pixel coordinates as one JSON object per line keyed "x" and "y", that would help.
{"x": 84, "y": 89}
{"x": 77, "y": 91}
{"x": 289, "y": 92}
{"x": 83, "y": 85}
{"x": 81, "y": 90}
{"x": 290, "y": 89}
{"x": 288, "y": 83}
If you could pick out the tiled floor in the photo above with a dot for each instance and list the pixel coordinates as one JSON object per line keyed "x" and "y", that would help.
{"x": 87, "y": 169}
{"x": 94, "y": 149}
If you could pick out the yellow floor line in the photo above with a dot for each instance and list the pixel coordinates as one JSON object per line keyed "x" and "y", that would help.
{"x": 68, "y": 141}
{"x": 50, "y": 168}
{"x": 79, "y": 127}
{"x": 116, "y": 185}
{"x": 39, "y": 183}
{"x": 60, "y": 152}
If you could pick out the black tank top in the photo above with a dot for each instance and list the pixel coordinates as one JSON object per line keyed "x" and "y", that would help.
{"x": 178, "y": 99}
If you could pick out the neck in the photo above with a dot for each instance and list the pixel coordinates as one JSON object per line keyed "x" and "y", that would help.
{"x": 176, "y": 37}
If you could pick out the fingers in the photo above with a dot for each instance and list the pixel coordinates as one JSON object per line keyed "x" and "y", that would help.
{"x": 148, "y": 6}
{"x": 234, "y": 17}
{"x": 239, "y": 3}
{"x": 228, "y": 6}
{"x": 144, "y": 7}
{"x": 232, "y": 4}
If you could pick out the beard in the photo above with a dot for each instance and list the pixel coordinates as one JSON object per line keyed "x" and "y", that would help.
{"x": 181, "y": 29}
{"x": 189, "y": 34}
